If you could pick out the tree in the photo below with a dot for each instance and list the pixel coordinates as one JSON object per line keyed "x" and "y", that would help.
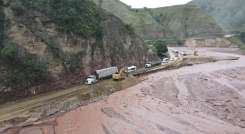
{"x": 23, "y": 69}
{"x": 161, "y": 48}
{"x": 242, "y": 36}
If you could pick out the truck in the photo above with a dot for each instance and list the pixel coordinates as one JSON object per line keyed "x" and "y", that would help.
{"x": 153, "y": 64}
{"x": 106, "y": 73}
{"x": 100, "y": 74}
{"x": 91, "y": 79}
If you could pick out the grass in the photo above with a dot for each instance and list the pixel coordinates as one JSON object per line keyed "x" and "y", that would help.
{"x": 179, "y": 21}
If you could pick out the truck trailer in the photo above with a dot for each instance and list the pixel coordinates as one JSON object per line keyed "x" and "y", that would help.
{"x": 106, "y": 73}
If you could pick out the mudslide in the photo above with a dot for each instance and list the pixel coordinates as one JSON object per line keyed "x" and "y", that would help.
{"x": 201, "y": 99}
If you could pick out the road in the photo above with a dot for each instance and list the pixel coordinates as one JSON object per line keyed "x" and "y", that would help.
{"x": 201, "y": 99}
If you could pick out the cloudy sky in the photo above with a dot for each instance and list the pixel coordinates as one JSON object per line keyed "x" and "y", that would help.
{"x": 153, "y": 3}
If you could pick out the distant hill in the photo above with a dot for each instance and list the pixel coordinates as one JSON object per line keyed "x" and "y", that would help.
{"x": 186, "y": 21}
{"x": 167, "y": 22}
{"x": 229, "y": 14}
{"x": 143, "y": 23}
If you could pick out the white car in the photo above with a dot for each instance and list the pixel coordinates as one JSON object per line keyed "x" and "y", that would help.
{"x": 148, "y": 65}
{"x": 165, "y": 60}
{"x": 91, "y": 80}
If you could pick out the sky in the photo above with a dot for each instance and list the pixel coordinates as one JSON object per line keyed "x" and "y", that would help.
{"x": 154, "y": 3}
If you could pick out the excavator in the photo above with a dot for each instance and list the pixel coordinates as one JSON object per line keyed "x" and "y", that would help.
{"x": 122, "y": 74}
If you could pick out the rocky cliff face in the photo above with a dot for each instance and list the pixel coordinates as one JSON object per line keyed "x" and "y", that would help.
{"x": 34, "y": 32}
{"x": 229, "y": 14}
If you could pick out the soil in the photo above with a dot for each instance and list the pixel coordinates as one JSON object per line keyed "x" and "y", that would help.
{"x": 200, "y": 99}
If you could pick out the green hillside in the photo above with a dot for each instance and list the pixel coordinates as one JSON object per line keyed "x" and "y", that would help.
{"x": 229, "y": 14}
{"x": 176, "y": 22}
{"x": 186, "y": 21}
{"x": 143, "y": 23}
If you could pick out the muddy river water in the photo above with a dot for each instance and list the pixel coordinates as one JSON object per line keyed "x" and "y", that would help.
{"x": 201, "y": 99}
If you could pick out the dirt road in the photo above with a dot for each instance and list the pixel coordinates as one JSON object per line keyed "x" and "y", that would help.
{"x": 201, "y": 99}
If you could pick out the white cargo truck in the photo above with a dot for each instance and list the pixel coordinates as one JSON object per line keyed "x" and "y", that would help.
{"x": 106, "y": 73}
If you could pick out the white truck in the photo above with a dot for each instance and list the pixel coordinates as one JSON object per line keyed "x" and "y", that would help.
{"x": 106, "y": 73}
{"x": 101, "y": 74}
{"x": 91, "y": 79}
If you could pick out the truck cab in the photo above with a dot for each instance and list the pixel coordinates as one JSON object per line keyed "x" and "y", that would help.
{"x": 91, "y": 79}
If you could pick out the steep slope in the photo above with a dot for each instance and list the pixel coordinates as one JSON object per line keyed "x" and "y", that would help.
{"x": 52, "y": 41}
{"x": 167, "y": 22}
{"x": 143, "y": 23}
{"x": 186, "y": 21}
{"x": 230, "y": 14}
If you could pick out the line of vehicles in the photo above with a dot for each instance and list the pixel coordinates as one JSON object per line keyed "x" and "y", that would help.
{"x": 116, "y": 74}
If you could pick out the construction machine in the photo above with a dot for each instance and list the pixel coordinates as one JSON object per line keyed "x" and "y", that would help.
{"x": 122, "y": 74}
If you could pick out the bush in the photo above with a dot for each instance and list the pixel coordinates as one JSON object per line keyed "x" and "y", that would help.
{"x": 161, "y": 48}
{"x": 80, "y": 17}
{"x": 24, "y": 71}
{"x": 242, "y": 36}
{"x": 53, "y": 48}
{"x": 129, "y": 29}
{"x": 2, "y": 19}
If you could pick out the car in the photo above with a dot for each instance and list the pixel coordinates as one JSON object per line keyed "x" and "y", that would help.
{"x": 148, "y": 65}
{"x": 91, "y": 79}
{"x": 165, "y": 60}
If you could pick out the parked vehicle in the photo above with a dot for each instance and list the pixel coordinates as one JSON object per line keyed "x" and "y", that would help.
{"x": 148, "y": 65}
{"x": 91, "y": 79}
{"x": 131, "y": 69}
{"x": 122, "y": 74}
{"x": 106, "y": 73}
{"x": 153, "y": 64}
{"x": 165, "y": 60}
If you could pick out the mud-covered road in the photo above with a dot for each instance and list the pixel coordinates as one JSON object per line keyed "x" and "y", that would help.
{"x": 201, "y": 99}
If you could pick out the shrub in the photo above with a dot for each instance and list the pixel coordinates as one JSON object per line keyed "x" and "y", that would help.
{"x": 53, "y": 48}
{"x": 80, "y": 17}
{"x": 129, "y": 29}
{"x": 242, "y": 36}
{"x": 24, "y": 70}
{"x": 161, "y": 48}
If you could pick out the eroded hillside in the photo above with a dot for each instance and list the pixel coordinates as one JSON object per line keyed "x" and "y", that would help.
{"x": 50, "y": 41}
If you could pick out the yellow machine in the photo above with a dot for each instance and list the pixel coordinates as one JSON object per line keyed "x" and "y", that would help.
{"x": 122, "y": 74}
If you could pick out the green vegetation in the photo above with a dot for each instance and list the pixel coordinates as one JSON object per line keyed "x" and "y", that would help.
{"x": 167, "y": 22}
{"x": 23, "y": 69}
{"x": 239, "y": 39}
{"x": 185, "y": 21}
{"x": 80, "y": 17}
{"x": 142, "y": 23}
{"x": 242, "y": 37}
{"x": 130, "y": 29}
{"x": 54, "y": 49}
{"x": 158, "y": 46}
{"x": 229, "y": 14}
{"x": 2, "y": 17}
